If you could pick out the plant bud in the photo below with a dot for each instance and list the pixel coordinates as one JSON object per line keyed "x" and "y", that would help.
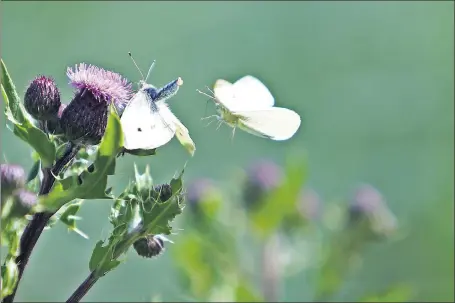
{"x": 42, "y": 99}
{"x": 149, "y": 246}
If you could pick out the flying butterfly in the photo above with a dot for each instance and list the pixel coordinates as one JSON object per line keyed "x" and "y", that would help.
{"x": 249, "y": 105}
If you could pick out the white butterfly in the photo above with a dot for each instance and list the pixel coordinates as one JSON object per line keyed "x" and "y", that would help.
{"x": 249, "y": 105}
{"x": 147, "y": 121}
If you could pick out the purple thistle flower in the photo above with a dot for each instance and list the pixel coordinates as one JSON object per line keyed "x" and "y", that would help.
{"x": 262, "y": 177}
{"x": 84, "y": 119}
{"x": 368, "y": 206}
{"x": 42, "y": 99}
{"x": 12, "y": 178}
{"x": 24, "y": 200}
{"x": 197, "y": 192}
{"x": 104, "y": 85}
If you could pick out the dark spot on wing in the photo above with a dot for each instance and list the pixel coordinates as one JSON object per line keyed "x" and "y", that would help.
{"x": 139, "y": 129}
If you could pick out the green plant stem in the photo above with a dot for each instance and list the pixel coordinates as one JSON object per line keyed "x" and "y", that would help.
{"x": 93, "y": 277}
{"x": 34, "y": 229}
{"x": 82, "y": 290}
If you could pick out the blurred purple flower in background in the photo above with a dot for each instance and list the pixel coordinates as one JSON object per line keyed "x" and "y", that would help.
{"x": 368, "y": 206}
{"x": 197, "y": 191}
{"x": 84, "y": 119}
{"x": 24, "y": 200}
{"x": 262, "y": 177}
{"x": 12, "y": 178}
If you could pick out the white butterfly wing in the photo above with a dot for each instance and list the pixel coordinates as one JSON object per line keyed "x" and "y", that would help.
{"x": 180, "y": 130}
{"x": 247, "y": 93}
{"x": 276, "y": 123}
{"x": 254, "y": 92}
{"x": 224, "y": 94}
{"x": 143, "y": 127}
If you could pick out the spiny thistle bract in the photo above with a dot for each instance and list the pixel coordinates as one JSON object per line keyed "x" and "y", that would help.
{"x": 84, "y": 119}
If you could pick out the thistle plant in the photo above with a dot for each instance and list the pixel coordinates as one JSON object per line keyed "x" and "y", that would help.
{"x": 75, "y": 147}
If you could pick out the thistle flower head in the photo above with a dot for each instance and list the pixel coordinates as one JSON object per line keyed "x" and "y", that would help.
{"x": 42, "y": 99}
{"x": 369, "y": 206}
{"x": 24, "y": 200}
{"x": 104, "y": 85}
{"x": 84, "y": 119}
{"x": 149, "y": 246}
{"x": 262, "y": 177}
{"x": 12, "y": 178}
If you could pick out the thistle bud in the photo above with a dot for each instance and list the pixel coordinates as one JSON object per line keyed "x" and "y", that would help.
{"x": 262, "y": 177}
{"x": 24, "y": 200}
{"x": 42, "y": 99}
{"x": 165, "y": 192}
{"x": 369, "y": 211}
{"x": 12, "y": 178}
{"x": 149, "y": 246}
{"x": 84, "y": 120}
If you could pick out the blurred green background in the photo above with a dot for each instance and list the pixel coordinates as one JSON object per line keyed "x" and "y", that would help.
{"x": 373, "y": 82}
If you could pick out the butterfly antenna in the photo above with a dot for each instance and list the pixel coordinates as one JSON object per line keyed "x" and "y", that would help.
{"x": 208, "y": 88}
{"x": 205, "y": 94}
{"x": 134, "y": 62}
{"x": 150, "y": 69}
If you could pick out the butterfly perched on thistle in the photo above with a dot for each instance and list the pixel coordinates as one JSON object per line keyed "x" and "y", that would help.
{"x": 147, "y": 121}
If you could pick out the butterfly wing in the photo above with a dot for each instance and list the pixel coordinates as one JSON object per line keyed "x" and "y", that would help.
{"x": 253, "y": 92}
{"x": 143, "y": 126}
{"x": 275, "y": 123}
{"x": 180, "y": 130}
{"x": 247, "y": 93}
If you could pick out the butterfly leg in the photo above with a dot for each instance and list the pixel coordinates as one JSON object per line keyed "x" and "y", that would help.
{"x": 233, "y": 133}
{"x": 219, "y": 124}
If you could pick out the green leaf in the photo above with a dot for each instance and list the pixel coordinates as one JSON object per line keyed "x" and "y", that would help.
{"x": 157, "y": 220}
{"x": 282, "y": 201}
{"x": 245, "y": 293}
{"x": 13, "y": 100}
{"x": 34, "y": 171}
{"x": 397, "y": 293}
{"x": 22, "y": 126}
{"x": 37, "y": 139}
{"x": 98, "y": 254}
{"x": 90, "y": 184}
{"x": 69, "y": 218}
{"x": 10, "y": 274}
